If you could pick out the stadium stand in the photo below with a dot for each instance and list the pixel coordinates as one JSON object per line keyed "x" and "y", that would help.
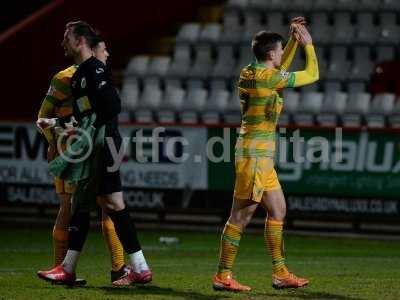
{"x": 352, "y": 37}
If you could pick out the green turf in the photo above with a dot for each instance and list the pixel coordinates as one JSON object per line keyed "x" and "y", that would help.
{"x": 338, "y": 268}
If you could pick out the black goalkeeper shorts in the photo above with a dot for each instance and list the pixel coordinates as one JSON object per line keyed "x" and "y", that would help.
{"x": 110, "y": 182}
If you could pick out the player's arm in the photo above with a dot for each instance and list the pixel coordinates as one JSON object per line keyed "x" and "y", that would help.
{"x": 291, "y": 46}
{"x": 106, "y": 101}
{"x": 47, "y": 111}
{"x": 288, "y": 53}
{"x": 311, "y": 72}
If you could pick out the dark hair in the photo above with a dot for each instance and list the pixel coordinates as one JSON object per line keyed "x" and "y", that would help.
{"x": 98, "y": 40}
{"x": 263, "y": 42}
{"x": 83, "y": 29}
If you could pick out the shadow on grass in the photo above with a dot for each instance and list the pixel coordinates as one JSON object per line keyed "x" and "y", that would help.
{"x": 187, "y": 294}
{"x": 308, "y": 295}
{"x": 155, "y": 290}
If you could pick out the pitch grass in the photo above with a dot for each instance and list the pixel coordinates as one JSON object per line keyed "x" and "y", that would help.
{"x": 338, "y": 268}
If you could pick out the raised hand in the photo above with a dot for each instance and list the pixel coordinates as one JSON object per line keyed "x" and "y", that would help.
{"x": 294, "y": 22}
{"x": 302, "y": 35}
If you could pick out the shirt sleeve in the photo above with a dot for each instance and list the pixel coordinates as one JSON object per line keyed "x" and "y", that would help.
{"x": 280, "y": 79}
{"x": 288, "y": 54}
{"x": 47, "y": 109}
{"x": 311, "y": 72}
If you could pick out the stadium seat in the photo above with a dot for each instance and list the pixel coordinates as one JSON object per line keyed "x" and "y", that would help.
{"x": 275, "y": 22}
{"x": 268, "y": 5}
{"x": 171, "y": 83}
{"x": 151, "y": 83}
{"x": 343, "y": 30}
{"x": 232, "y": 113}
{"x": 322, "y": 61}
{"x": 172, "y": 103}
{"x": 322, "y": 35}
{"x": 291, "y": 102}
{"x": 149, "y": 101}
{"x": 130, "y": 94}
{"x": 215, "y": 107}
{"x": 194, "y": 84}
{"x": 333, "y": 106}
{"x": 321, "y": 5}
{"x": 385, "y": 53}
{"x": 354, "y": 87}
{"x": 389, "y": 35}
{"x": 311, "y": 104}
{"x": 245, "y": 58}
{"x": 339, "y": 65}
{"x": 381, "y": 105}
{"x": 362, "y": 53}
{"x": 181, "y": 62}
{"x": 358, "y": 106}
{"x": 345, "y": 5}
{"x": 225, "y": 63}
{"x": 371, "y": 5}
{"x": 217, "y": 84}
{"x": 390, "y": 5}
{"x": 202, "y": 63}
{"x": 188, "y": 33}
{"x": 319, "y": 19}
{"x": 387, "y": 19}
{"x": 137, "y": 65}
{"x": 338, "y": 69}
{"x": 394, "y": 117}
{"x": 210, "y": 33}
{"x": 237, "y": 4}
{"x": 301, "y": 6}
{"x": 252, "y": 25}
{"x": 389, "y": 30}
{"x": 361, "y": 70}
{"x": 194, "y": 103}
{"x": 231, "y": 18}
{"x": 320, "y": 28}
{"x": 309, "y": 88}
{"x": 231, "y": 27}
{"x": 332, "y": 86}
{"x": 159, "y": 66}
{"x": 366, "y": 31}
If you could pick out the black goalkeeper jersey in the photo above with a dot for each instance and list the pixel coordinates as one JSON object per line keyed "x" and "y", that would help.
{"x": 93, "y": 90}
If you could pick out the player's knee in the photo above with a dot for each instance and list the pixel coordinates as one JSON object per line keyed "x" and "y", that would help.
{"x": 65, "y": 201}
{"x": 278, "y": 214}
{"x": 110, "y": 205}
{"x": 239, "y": 221}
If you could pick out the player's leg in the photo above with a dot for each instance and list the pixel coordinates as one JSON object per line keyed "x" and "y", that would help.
{"x": 241, "y": 213}
{"x": 60, "y": 229}
{"x": 274, "y": 203}
{"x": 78, "y": 230}
{"x": 115, "y": 206}
{"x": 245, "y": 201}
{"x": 114, "y": 246}
{"x": 61, "y": 237}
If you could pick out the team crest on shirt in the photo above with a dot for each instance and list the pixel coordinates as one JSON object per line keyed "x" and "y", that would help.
{"x": 247, "y": 73}
{"x": 83, "y": 82}
{"x": 284, "y": 74}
